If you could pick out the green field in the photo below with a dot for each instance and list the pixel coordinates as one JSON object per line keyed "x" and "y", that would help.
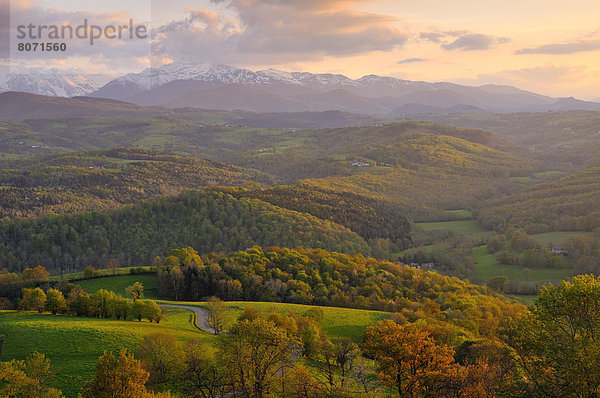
{"x": 560, "y": 238}
{"x": 527, "y": 299}
{"x": 100, "y": 272}
{"x": 118, "y": 284}
{"x": 459, "y": 214}
{"x": 337, "y": 322}
{"x": 486, "y": 267}
{"x": 74, "y": 344}
{"x": 462, "y": 227}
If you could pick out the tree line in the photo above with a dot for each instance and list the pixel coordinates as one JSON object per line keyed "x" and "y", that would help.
{"x": 319, "y": 277}
{"x": 71, "y": 299}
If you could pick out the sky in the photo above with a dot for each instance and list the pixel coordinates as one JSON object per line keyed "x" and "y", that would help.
{"x": 550, "y": 47}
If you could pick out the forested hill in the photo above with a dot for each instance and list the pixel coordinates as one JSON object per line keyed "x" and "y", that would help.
{"x": 100, "y": 180}
{"x": 571, "y": 203}
{"x": 134, "y": 235}
{"x": 369, "y": 217}
{"x": 314, "y": 276}
{"x": 331, "y": 152}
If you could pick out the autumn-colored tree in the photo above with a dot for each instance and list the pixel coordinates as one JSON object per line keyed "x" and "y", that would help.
{"x": 121, "y": 376}
{"x": 558, "y": 341}
{"x": 33, "y": 300}
{"x": 254, "y": 353}
{"x": 27, "y": 379}
{"x": 488, "y": 369}
{"x": 112, "y": 265}
{"x": 135, "y": 291}
{"x": 55, "y": 302}
{"x": 302, "y": 384}
{"x": 34, "y": 275}
{"x": 408, "y": 358}
{"x": 89, "y": 272}
{"x": 203, "y": 375}
{"x": 161, "y": 356}
{"x": 216, "y": 314}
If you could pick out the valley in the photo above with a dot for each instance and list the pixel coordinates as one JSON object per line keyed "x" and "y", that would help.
{"x": 330, "y": 230}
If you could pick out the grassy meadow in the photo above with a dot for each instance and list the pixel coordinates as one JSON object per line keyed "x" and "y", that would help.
{"x": 560, "y": 238}
{"x": 337, "y": 322}
{"x": 74, "y": 344}
{"x": 118, "y": 284}
{"x": 460, "y": 227}
{"x": 486, "y": 267}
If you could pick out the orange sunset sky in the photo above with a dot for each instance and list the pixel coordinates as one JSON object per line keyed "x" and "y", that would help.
{"x": 551, "y": 47}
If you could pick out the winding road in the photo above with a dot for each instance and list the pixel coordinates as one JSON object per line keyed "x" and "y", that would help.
{"x": 201, "y": 319}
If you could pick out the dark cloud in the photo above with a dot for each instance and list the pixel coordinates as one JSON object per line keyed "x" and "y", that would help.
{"x": 434, "y": 37}
{"x": 411, "y": 60}
{"x": 563, "y": 48}
{"x": 280, "y": 30}
{"x": 473, "y": 42}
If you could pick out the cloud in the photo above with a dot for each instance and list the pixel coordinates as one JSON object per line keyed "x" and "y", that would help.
{"x": 439, "y": 37}
{"x": 541, "y": 74}
{"x": 279, "y": 31}
{"x": 411, "y": 60}
{"x": 588, "y": 42}
{"x": 461, "y": 40}
{"x": 105, "y": 55}
{"x": 562, "y": 48}
{"x": 434, "y": 37}
{"x": 473, "y": 42}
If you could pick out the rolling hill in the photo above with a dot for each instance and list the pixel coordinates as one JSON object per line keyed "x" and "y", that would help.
{"x": 70, "y": 183}
{"x": 209, "y": 221}
{"x": 20, "y": 106}
{"x": 571, "y": 203}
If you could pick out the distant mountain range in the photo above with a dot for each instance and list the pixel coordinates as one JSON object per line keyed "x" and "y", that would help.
{"x": 49, "y": 82}
{"x": 180, "y": 85}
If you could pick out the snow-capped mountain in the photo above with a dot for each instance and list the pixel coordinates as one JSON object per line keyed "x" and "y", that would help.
{"x": 49, "y": 82}
{"x": 185, "y": 84}
{"x": 205, "y": 76}
{"x": 153, "y": 78}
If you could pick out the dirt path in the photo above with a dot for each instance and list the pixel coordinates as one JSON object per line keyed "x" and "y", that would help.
{"x": 202, "y": 316}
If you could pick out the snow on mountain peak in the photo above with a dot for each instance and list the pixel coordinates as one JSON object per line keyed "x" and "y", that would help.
{"x": 50, "y": 82}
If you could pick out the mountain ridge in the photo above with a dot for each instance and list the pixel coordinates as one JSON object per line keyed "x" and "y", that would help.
{"x": 210, "y": 86}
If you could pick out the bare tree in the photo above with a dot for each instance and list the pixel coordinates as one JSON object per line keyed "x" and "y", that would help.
{"x": 216, "y": 314}
{"x": 112, "y": 266}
